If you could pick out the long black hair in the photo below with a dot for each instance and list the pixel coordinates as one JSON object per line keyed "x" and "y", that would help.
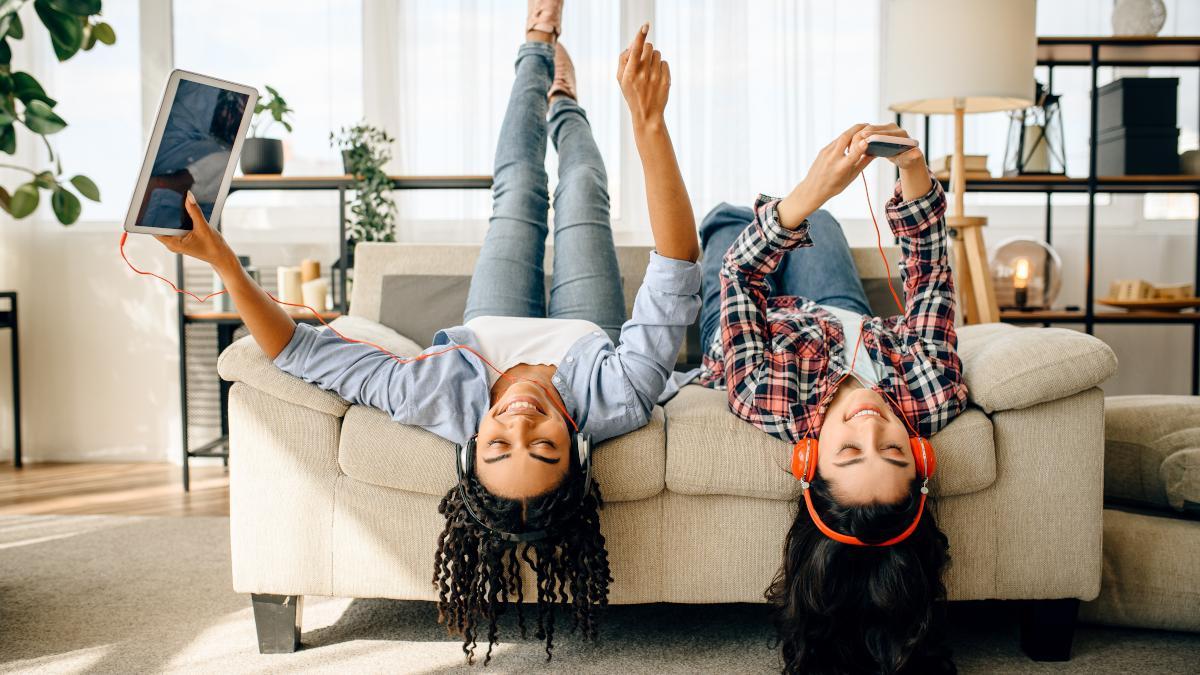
{"x": 861, "y": 609}
{"x": 478, "y": 573}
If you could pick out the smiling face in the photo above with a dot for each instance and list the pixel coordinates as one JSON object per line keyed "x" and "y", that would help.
{"x": 523, "y": 448}
{"x": 864, "y": 450}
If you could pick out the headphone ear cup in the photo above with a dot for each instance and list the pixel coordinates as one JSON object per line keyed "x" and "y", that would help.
{"x": 466, "y": 457}
{"x": 804, "y": 459}
{"x": 923, "y": 457}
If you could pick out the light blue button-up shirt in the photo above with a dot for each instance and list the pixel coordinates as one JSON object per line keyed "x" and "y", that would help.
{"x": 608, "y": 390}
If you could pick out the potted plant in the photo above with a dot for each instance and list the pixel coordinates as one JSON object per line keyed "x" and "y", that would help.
{"x": 365, "y": 152}
{"x": 265, "y": 155}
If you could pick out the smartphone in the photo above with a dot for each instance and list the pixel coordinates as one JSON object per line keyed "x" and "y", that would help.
{"x": 879, "y": 145}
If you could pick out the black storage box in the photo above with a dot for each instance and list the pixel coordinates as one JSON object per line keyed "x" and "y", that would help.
{"x": 1138, "y": 102}
{"x": 1132, "y": 151}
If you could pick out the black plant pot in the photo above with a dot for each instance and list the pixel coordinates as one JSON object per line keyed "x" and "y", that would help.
{"x": 262, "y": 155}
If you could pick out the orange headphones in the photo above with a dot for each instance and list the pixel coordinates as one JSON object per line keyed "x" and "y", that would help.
{"x": 804, "y": 454}
{"x": 804, "y": 467}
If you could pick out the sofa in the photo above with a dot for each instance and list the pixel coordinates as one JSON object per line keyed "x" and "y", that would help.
{"x": 1151, "y": 569}
{"x": 330, "y": 499}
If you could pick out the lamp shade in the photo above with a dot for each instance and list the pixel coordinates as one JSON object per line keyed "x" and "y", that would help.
{"x": 981, "y": 52}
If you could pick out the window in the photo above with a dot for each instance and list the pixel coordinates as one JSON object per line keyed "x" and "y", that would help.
{"x": 311, "y": 53}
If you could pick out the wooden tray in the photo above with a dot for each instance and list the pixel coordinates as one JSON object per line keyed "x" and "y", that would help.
{"x": 1171, "y": 305}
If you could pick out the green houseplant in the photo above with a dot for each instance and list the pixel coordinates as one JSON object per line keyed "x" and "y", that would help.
{"x": 73, "y": 26}
{"x": 365, "y": 151}
{"x": 260, "y": 154}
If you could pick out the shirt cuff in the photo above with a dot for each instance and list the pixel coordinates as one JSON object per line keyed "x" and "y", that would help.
{"x": 673, "y": 276}
{"x": 778, "y": 236}
{"x": 908, "y": 219}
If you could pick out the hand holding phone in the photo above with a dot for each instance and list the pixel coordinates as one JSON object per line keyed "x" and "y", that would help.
{"x": 890, "y": 142}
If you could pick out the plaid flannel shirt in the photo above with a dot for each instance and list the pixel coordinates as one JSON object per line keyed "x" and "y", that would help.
{"x": 780, "y": 358}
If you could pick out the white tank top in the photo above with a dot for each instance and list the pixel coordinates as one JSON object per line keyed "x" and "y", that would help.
{"x": 509, "y": 341}
{"x": 865, "y": 369}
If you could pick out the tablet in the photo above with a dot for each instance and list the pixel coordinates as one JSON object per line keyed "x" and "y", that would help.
{"x": 195, "y": 145}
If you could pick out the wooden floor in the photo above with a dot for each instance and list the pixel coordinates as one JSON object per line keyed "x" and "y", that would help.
{"x": 141, "y": 489}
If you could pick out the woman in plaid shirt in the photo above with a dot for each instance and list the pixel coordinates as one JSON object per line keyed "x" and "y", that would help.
{"x": 791, "y": 337}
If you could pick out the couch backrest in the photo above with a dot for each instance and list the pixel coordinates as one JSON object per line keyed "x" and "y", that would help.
{"x": 418, "y": 289}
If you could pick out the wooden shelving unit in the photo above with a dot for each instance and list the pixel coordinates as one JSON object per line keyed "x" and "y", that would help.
{"x": 1094, "y": 53}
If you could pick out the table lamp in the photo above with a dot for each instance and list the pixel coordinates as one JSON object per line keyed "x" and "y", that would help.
{"x": 957, "y": 57}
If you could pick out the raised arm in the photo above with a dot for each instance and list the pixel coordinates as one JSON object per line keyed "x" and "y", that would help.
{"x": 270, "y": 325}
{"x": 645, "y": 81}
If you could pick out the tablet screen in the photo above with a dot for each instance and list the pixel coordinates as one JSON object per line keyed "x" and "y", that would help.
{"x": 195, "y": 151}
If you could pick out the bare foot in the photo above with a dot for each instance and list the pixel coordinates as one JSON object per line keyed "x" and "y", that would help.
{"x": 564, "y": 75}
{"x": 544, "y": 23}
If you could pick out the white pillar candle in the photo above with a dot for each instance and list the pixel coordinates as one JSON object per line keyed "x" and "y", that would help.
{"x": 315, "y": 292}
{"x": 288, "y": 279}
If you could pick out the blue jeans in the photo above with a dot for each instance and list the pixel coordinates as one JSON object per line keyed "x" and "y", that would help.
{"x": 509, "y": 279}
{"x": 823, "y": 273}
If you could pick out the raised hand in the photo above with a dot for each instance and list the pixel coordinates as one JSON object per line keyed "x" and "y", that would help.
{"x": 835, "y": 166}
{"x": 202, "y": 242}
{"x": 903, "y": 160}
{"x": 645, "y": 79}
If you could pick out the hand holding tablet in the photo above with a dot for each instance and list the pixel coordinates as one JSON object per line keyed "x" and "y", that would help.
{"x": 194, "y": 147}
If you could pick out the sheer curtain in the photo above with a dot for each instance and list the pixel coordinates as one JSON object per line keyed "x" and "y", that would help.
{"x": 759, "y": 87}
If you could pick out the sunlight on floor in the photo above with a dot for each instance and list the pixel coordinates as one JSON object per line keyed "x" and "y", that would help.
{"x": 70, "y": 663}
{"x": 234, "y": 634}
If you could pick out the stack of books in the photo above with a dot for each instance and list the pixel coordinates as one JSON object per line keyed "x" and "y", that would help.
{"x": 976, "y": 166}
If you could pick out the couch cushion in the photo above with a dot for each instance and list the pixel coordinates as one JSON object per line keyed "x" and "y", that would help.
{"x": 1007, "y": 367}
{"x": 374, "y": 449}
{"x": 1152, "y": 450}
{"x": 710, "y": 451}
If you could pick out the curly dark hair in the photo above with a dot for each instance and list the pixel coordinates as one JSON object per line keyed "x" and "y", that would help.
{"x": 856, "y": 609}
{"x": 477, "y": 573}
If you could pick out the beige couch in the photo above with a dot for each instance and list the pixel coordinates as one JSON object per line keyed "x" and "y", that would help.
{"x": 330, "y": 499}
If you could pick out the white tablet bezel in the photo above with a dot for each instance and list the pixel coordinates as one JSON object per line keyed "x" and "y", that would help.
{"x": 160, "y": 123}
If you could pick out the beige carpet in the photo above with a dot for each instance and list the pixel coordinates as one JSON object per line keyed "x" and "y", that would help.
{"x": 137, "y": 595}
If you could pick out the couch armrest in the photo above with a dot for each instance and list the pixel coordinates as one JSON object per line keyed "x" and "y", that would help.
{"x": 244, "y": 362}
{"x": 1009, "y": 368}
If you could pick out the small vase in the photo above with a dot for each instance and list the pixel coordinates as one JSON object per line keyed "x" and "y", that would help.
{"x": 262, "y": 155}
{"x": 1138, "y": 17}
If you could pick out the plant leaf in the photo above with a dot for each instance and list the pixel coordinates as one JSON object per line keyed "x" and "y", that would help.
{"x": 86, "y": 187}
{"x": 46, "y": 180}
{"x": 66, "y": 32}
{"x": 5, "y": 198}
{"x": 26, "y": 88}
{"x": 5, "y": 52}
{"x": 24, "y": 201}
{"x": 66, "y": 206}
{"x": 8, "y": 139}
{"x": 16, "y": 29}
{"x": 104, "y": 33}
{"x": 42, "y": 120}
{"x": 77, "y": 7}
{"x": 7, "y": 114}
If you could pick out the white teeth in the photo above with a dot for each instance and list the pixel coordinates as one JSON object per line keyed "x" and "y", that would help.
{"x": 865, "y": 411}
{"x": 520, "y": 405}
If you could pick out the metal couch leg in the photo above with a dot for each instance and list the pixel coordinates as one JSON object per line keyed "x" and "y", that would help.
{"x": 277, "y": 619}
{"x": 1048, "y": 628}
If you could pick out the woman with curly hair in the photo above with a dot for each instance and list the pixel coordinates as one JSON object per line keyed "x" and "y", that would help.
{"x": 792, "y": 339}
{"x": 523, "y": 388}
